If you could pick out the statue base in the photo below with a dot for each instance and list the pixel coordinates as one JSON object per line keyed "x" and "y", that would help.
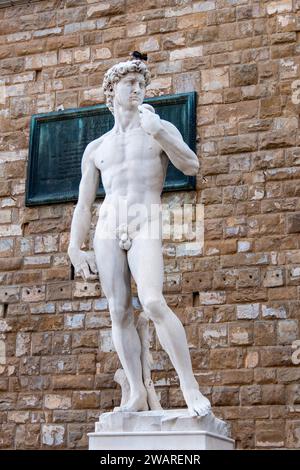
{"x": 160, "y": 430}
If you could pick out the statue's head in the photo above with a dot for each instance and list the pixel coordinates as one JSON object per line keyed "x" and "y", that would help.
{"x": 126, "y": 83}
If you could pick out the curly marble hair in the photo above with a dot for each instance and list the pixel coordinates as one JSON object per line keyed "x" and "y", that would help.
{"x": 118, "y": 71}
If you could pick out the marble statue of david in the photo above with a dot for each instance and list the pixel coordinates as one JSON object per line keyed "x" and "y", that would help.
{"x": 132, "y": 159}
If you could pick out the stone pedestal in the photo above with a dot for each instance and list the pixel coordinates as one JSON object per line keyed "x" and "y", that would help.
{"x": 159, "y": 430}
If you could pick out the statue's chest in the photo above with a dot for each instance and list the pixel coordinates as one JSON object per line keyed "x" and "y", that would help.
{"x": 126, "y": 148}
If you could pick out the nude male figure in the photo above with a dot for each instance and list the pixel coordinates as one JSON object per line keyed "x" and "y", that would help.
{"x": 133, "y": 159}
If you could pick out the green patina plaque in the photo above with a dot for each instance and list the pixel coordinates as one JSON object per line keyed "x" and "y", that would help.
{"x": 58, "y": 140}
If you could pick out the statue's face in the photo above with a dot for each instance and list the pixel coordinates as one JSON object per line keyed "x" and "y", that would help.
{"x": 130, "y": 90}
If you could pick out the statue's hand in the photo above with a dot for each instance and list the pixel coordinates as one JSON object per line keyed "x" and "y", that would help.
{"x": 84, "y": 264}
{"x": 150, "y": 122}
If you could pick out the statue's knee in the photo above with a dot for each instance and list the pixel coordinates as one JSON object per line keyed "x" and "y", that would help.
{"x": 120, "y": 314}
{"x": 154, "y": 308}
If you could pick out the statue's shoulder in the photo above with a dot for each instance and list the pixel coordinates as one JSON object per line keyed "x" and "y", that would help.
{"x": 95, "y": 144}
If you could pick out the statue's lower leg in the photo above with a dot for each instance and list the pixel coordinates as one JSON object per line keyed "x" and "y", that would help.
{"x": 172, "y": 337}
{"x": 128, "y": 346}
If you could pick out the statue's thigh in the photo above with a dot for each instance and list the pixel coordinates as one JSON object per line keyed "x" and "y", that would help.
{"x": 113, "y": 269}
{"x": 146, "y": 265}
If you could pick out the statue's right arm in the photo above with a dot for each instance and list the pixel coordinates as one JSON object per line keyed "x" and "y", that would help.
{"x": 82, "y": 215}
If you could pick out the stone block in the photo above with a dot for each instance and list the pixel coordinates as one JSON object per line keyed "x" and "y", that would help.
{"x": 238, "y": 144}
{"x": 18, "y": 417}
{"x": 75, "y": 321}
{"x": 264, "y": 333}
{"x": 243, "y": 75}
{"x": 29, "y": 401}
{"x": 41, "y": 343}
{"x": 33, "y": 294}
{"x": 220, "y": 360}
{"x": 212, "y": 298}
{"x": 251, "y": 395}
{"x": 225, "y": 396}
{"x": 276, "y": 311}
{"x": 8, "y": 401}
{"x": 214, "y": 79}
{"x": 61, "y": 343}
{"x": 241, "y": 334}
{"x": 85, "y": 339}
{"x": 137, "y": 29}
{"x": 287, "y": 331}
{"x": 105, "y": 341}
{"x": 55, "y": 401}
{"x": 30, "y": 366}
{"x": 180, "y": 54}
{"x": 7, "y": 433}
{"x": 58, "y": 365}
{"x": 69, "y": 416}
{"x": 58, "y": 291}
{"x": 9, "y": 294}
{"x": 101, "y": 53}
{"x": 213, "y": 335}
{"x": 293, "y": 433}
{"x": 27, "y": 436}
{"x": 196, "y": 281}
{"x": 264, "y": 376}
{"x": 276, "y": 356}
{"x": 279, "y": 6}
{"x": 86, "y": 289}
{"x": 150, "y": 45}
{"x": 78, "y": 435}
{"x": 86, "y": 399}
{"x": 97, "y": 320}
{"x": 86, "y": 363}
{"x": 270, "y": 434}
{"x": 273, "y": 394}
{"x": 6, "y": 247}
{"x": 73, "y": 382}
{"x": 23, "y": 344}
{"x": 113, "y": 7}
{"x": 53, "y": 435}
{"x": 39, "y": 308}
{"x": 293, "y": 223}
{"x": 250, "y": 311}
{"x": 46, "y": 243}
{"x": 273, "y": 277}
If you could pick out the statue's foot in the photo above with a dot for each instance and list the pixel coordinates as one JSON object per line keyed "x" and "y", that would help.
{"x": 197, "y": 403}
{"x": 135, "y": 403}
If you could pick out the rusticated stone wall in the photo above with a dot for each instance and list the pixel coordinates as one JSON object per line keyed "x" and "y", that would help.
{"x": 239, "y": 299}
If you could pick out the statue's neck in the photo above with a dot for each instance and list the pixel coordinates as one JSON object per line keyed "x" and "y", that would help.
{"x": 126, "y": 119}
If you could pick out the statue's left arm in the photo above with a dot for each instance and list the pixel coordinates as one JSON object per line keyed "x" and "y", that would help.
{"x": 171, "y": 142}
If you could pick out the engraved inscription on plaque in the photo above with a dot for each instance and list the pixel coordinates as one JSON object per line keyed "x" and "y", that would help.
{"x": 58, "y": 140}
